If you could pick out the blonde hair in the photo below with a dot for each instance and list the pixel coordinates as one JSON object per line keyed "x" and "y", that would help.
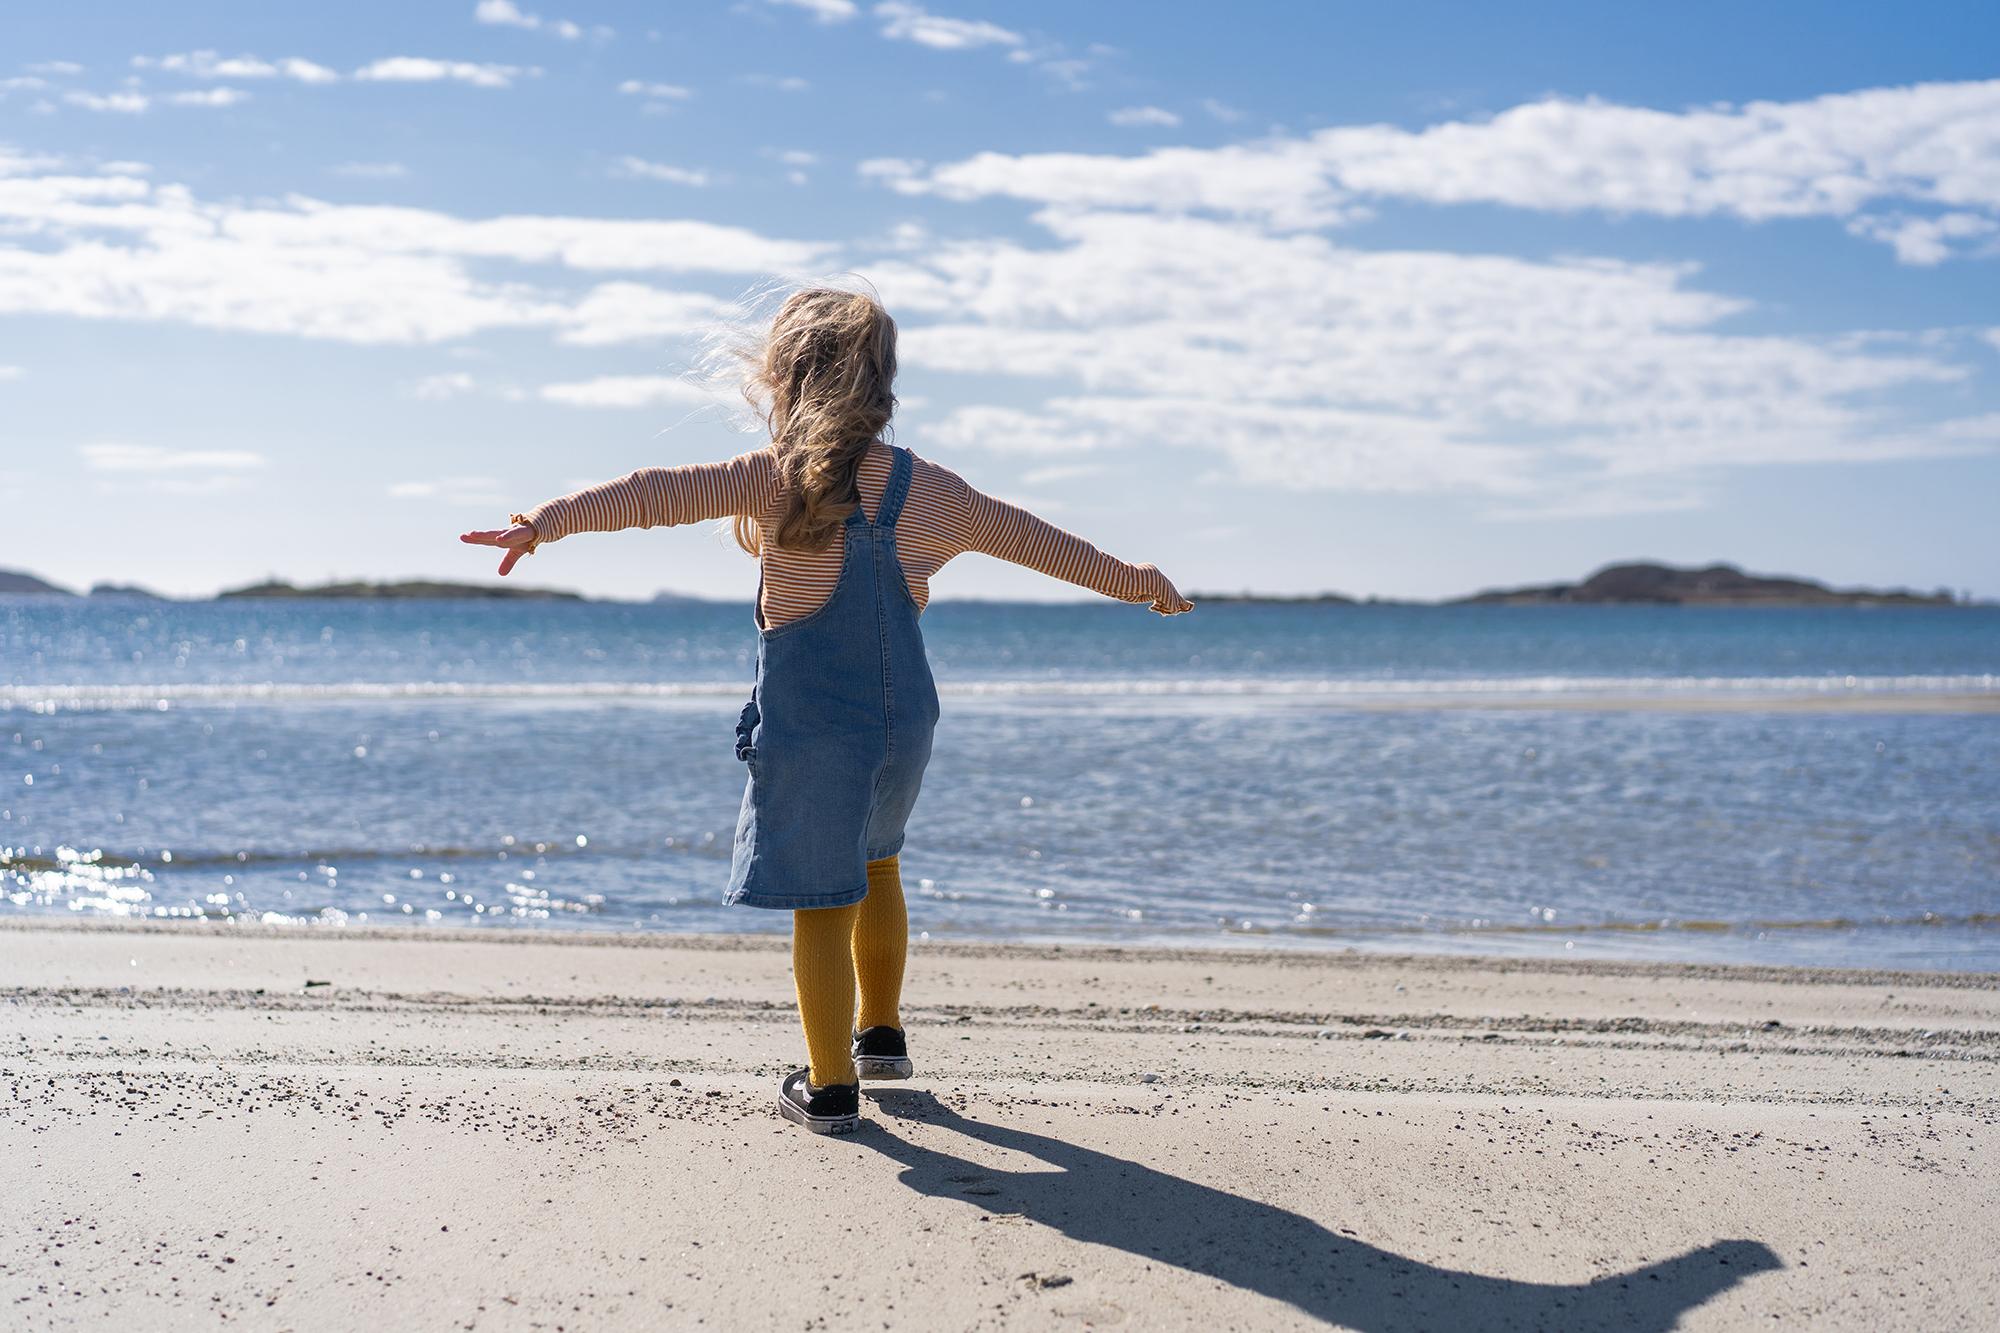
{"x": 822, "y": 379}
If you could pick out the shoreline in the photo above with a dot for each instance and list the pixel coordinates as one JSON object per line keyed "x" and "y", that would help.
{"x": 302, "y": 1128}
{"x": 1129, "y": 695}
{"x": 1253, "y": 949}
{"x": 1527, "y": 946}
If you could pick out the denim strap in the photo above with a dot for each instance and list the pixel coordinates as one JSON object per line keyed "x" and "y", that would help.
{"x": 896, "y": 491}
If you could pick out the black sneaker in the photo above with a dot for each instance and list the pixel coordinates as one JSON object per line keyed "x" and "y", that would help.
{"x": 880, "y": 1053}
{"x": 834, "y": 1109}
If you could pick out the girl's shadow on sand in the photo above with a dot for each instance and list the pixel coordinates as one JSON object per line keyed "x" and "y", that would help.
{"x": 1107, "y": 1200}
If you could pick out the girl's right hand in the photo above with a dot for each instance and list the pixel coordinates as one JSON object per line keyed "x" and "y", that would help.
{"x": 1167, "y": 599}
{"x": 517, "y": 541}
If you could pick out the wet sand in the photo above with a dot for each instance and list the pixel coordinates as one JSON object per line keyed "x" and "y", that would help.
{"x": 575, "y": 1132}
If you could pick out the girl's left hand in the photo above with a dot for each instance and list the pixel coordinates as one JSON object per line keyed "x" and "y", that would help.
{"x": 517, "y": 541}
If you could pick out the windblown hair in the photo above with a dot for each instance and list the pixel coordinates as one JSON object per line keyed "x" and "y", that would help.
{"x": 823, "y": 380}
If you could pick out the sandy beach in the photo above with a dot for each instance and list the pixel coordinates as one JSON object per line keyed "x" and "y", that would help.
{"x": 335, "y": 1129}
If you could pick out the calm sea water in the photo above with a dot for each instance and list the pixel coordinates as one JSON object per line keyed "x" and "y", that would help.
{"x": 1589, "y": 781}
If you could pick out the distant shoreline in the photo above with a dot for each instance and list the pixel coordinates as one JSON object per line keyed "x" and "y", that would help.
{"x": 1200, "y": 599}
{"x": 1635, "y": 584}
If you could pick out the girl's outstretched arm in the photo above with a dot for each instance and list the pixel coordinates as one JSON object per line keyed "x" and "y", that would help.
{"x": 648, "y": 498}
{"x": 994, "y": 527}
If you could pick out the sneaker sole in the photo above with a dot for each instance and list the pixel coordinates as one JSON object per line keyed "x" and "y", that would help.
{"x": 878, "y": 1068}
{"x": 819, "y": 1124}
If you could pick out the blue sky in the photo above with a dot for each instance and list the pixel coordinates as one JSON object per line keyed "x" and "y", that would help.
{"x": 1397, "y": 299}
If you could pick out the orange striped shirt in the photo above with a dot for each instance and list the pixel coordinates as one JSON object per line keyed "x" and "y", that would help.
{"x": 942, "y": 518}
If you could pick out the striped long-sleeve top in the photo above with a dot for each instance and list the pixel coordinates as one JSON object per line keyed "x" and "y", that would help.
{"x": 943, "y": 517}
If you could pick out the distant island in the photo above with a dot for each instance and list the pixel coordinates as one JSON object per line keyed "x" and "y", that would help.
{"x": 1634, "y": 584}
{"x": 1713, "y": 585}
{"x": 1272, "y": 599}
{"x": 411, "y": 589}
{"x": 1631, "y": 584}
{"x": 20, "y": 581}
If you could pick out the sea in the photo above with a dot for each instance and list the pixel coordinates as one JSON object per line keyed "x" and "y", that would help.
{"x": 1814, "y": 786}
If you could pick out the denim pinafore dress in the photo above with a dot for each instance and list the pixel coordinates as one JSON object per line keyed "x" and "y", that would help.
{"x": 838, "y": 729}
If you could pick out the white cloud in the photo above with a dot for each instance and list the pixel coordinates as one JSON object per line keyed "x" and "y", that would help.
{"x": 122, "y": 247}
{"x": 305, "y": 71}
{"x": 1282, "y": 182}
{"x": 129, "y": 104}
{"x": 638, "y": 168}
{"x": 8, "y": 373}
{"x": 504, "y": 13}
{"x": 1986, "y": 427}
{"x": 786, "y": 83}
{"x": 1825, "y": 157}
{"x": 371, "y": 171}
{"x": 153, "y": 460}
{"x": 798, "y": 157}
{"x": 14, "y": 162}
{"x": 474, "y": 492}
{"x": 797, "y": 160}
{"x": 890, "y": 169}
{"x": 623, "y": 312}
{"x": 1527, "y": 384}
{"x": 439, "y": 388}
{"x": 1133, "y": 117}
{"x": 907, "y": 22}
{"x": 1069, "y": 72}
{"x": 1170, "y": 313}
{"x": 1222, "y": 111}
{"x": 1924, "y": 241}
{"x": 626, "y": 391}
{"x": 826, "y": 11}
{"x": 21, "y": 83}
{"x": 912, "y": 23}
{"x": 1011, "y": 430}
{"x": 658, "y": 92}
{"x": 422, "y": 69}
{"x": 1839, "y": 156}
{"x": 211, "y": 97}
{"x": 211, "y": 65}
{"x": 1059, "y": 472}
{"x": 55, "y": 67}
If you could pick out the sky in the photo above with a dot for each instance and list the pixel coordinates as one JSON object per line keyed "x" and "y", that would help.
{"x": 1394, "y": 299}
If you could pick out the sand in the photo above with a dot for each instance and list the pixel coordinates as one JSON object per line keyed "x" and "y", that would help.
{"x": 554, "y": 1132}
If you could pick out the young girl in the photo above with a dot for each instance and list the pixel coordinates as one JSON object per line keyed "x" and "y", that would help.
{"x": 847, "y": 532}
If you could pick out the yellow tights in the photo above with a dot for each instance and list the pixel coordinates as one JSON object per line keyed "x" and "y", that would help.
{"x": 833, "y": 948}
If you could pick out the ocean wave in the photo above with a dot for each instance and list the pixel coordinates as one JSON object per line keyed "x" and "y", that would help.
{"x": 162, "y": 696}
